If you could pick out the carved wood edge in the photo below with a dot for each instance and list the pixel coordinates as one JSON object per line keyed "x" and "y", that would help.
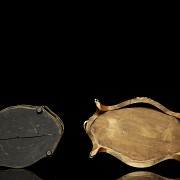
{"x": 136, "y": 100}
{"x": 59, "y": 120}
{"x": 102, "y": 108}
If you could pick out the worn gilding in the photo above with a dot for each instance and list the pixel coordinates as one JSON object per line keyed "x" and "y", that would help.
{"x": 140, "y": 136}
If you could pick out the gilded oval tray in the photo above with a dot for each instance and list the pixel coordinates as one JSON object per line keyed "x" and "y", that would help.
{"x": 27, "y": 134}
{"x": 139, "y": 136}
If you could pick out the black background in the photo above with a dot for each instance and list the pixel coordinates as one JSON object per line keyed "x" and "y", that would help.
{"x": 65, "y": 61}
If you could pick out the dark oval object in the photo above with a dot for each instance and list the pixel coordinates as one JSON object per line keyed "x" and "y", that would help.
{"x": 27, "y": 134}
{"x": 18, "y": 174}
{"x": 139, "y": 136}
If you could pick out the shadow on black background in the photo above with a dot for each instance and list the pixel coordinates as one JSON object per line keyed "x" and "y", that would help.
{"x": 18, "y": 174}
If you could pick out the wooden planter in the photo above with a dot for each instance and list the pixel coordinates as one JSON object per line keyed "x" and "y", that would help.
{"x": 139, "y": 136}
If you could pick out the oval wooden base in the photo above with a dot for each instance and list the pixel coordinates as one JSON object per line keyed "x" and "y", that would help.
{"x": 28, "y": 134}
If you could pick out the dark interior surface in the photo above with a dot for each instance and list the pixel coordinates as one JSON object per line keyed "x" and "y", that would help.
{"x": 27, "y": 135}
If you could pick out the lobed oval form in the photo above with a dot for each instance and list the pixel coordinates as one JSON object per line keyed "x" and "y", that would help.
{"x": 138, "y": 136}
